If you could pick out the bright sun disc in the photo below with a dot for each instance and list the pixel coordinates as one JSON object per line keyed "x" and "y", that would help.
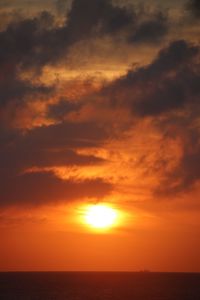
{"x": 100, "y": 216}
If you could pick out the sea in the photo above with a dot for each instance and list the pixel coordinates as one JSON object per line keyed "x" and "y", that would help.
{"x": 99, "y": 286}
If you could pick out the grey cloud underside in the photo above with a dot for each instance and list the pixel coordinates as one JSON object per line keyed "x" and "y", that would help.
{"x": 12, "y": 89}
{"x": 187, "y": 172}
{"x": 193, "y": 7}
{"x": 151, "y": 31}
{"x": 51, "y": 146}
{"x": 44, "y": 188}
{"x": 59, "y": 110}
{"x": 167, "y": 86}
{"x": 37, "y": 42}
{"x": 168, "y": 83}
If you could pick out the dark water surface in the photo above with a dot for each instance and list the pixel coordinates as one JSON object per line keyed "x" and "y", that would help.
{"x": 99, "y": 286}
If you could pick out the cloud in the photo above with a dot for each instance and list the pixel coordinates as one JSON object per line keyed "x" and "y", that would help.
{"x": 186, "y": 173}
{"x": 46, "y": 148}
{"x": 96, "y": 17}
{"x": 61, "y": 6}
{"x": 61, "y": 109}
{"x": 99, "y": 17}
{"x": 33, "y": 43}
{"x": 151, "y": 31}
{"x": 178, "y": 80}
{"x": 193, "y": 6}
{"x": 24, "y": 41}
{"x": 51, "y": 146}
{"x": 163, "y": 91}
{"x": 17, "y": 44}
{"x": 37, "y": 41}
{"x": 44, "y": 188}
{"x": 66, "y": 134}
{"x": 13, "y": 89}
{"x": 165, "y": 88}
{"x": 168, "y": 83}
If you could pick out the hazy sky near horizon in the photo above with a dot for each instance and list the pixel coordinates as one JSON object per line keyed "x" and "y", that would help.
{"x": 99, "y": 103}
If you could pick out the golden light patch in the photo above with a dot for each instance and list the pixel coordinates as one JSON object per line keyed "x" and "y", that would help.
{"x": 101, "y": 216}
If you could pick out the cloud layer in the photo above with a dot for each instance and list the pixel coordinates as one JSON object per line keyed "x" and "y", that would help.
{"x": 110, "y": 134}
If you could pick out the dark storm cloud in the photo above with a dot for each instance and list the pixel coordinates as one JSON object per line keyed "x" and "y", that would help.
{"x": 171, "y": 80}
{"x": 98, "y": 16}
{"x": 80, "y": 135}
{"x": 173, "y": 56}
{"x": 152, "y": 30}
{"x": 165, "y": 89}
{"x": 44, "y": 188}
{"x": 22, "y": 41}
{"x": 31, "y": 44}
{"x": 50, "y": 146}
{"x": 168, "y": 83}
{"x": 171, "y": 94}
{"x": 12, "y": 89}
{"x": 59, "y": 110}
{"x": 17, "y": 44}
{"x": 193, "y": 6}
{"x": 36, "y": 42}
{"x": 21, "y": 157}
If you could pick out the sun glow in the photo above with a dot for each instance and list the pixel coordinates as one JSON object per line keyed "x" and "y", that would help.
{"x": 101, "y": 216}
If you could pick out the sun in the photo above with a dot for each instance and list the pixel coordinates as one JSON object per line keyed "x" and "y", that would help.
{"x": 100, "y": 216}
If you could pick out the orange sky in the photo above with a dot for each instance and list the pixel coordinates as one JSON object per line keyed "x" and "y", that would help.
{"x": 99, "y": 104}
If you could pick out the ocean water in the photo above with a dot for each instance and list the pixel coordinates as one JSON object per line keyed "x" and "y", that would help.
{"x": 99, "y": 286}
